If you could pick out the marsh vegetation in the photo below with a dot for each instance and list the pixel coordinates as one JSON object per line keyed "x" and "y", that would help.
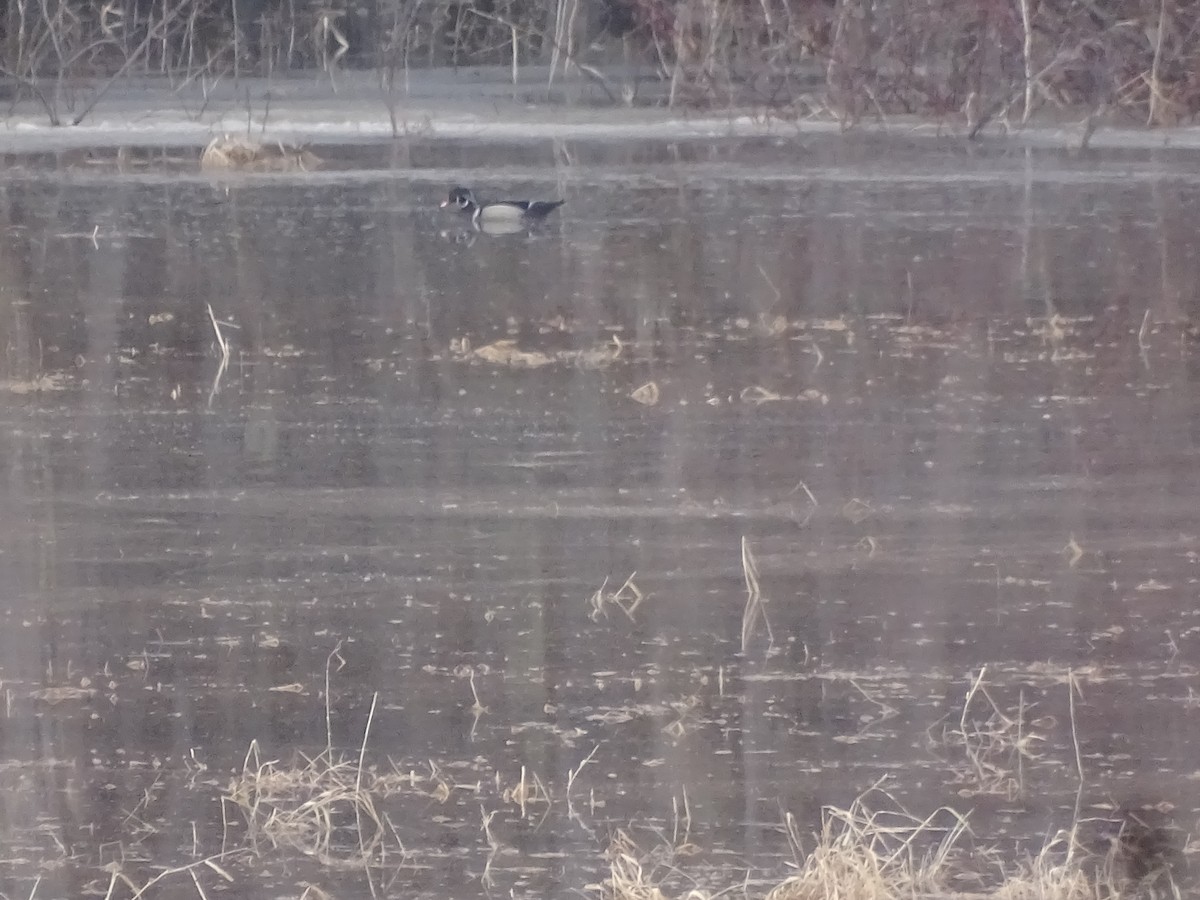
{"x": 843, "y": 59}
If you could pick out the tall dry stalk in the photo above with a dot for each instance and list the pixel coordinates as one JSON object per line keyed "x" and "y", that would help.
{"x": 1156, "y": 96}
{"x": 1027, "y": 59}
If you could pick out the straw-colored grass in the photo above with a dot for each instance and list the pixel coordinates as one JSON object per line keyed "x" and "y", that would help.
{"x": 324, "y": 808}
{"x": 331, "y": 809}
{"x": 868, "y": 854}
{"x": 1057, "y": 874}
{"x": 237, "y": 154}
{"x": 996, "y": 744}
{"x": 862, "y": 853}
{"x": 639, "y": 874}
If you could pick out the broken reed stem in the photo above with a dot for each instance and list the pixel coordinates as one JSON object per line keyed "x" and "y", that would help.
{"x": 208, "y": 861}
{"x": 516, "y": 56}
{"x": 755, "y": 604}
{"x": 362, "y": 752}
{"x": 1020, "y": 738}
{"x": 1155, "y": 94}
{"x": 962, "y": 722}
{"x": 521, "y": 792}
{"x": 1027, "y": 53}
{"x": 801, "y": 486}
{"x": 328, "y": 712}
{"x": 196, "y": 882}
{"x": 572, "y": 774}
{"x": 1072, "y": 688}
{"x": 221, "y": 342}
{"x": 753, "y": 608}
{"x": 676, "y": 840}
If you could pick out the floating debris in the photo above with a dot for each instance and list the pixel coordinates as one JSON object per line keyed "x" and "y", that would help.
{"x": 55, "y": 382}
{"x": 647, "y": 394}
{"x": 507, "y": 353}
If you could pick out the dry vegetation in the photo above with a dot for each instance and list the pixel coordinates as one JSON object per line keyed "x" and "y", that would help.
{"x": 865, "y": 853}
{"x": 843, "y": 58}
{"x": 347, "y": 814}
{"x": 337, "y": 811}
{"x": 238, "y": 154}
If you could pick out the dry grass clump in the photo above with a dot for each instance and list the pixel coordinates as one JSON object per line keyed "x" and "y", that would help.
{"x": 865, "y": 854}
{"x": 996, "y": 744}
{"x": 873, "y": 855}
{"x": 236, "y": 154}
{"x": 1054, "y": 875}
{"x": 636, "y": 874}
{"x": 628, "y": 879}
{"x": 326, "y": 809}
{"x": 860, "y": 854}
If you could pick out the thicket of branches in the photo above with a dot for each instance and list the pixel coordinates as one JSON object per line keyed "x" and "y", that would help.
{"x": 849, "y": 58}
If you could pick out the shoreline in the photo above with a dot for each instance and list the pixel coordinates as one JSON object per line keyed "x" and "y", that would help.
{"x": 475, "y": 105}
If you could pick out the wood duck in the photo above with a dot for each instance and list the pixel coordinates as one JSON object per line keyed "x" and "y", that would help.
{"x": 500, "y": 212}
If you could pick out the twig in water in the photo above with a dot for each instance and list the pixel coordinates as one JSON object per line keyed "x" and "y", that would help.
{"x": 770, "y": 283}
{"x": 196, "y": 882}
{"x": 1073, "y": 689}
{"x": 574, "y": 773}
{"x": 139, "y": 892}
{"x": 627, "y": 598}
{"x": 801, "y": 486}
{"x": 478, "y": 709}
{"x": 754, "y": 599}
{"x": 335, "y": 653}
{"x": 676, "y": 840}
{"x": 962, "y": 721}
{"x": 223, "y": 344}
{"x": 885, "y": 710}
{"x": 493, "y": 846}
{"x": 221, "y": 341}
{"x": 362, "y": 752}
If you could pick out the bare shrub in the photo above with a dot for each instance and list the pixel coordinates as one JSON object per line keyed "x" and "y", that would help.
{"x": 846, "y": 59}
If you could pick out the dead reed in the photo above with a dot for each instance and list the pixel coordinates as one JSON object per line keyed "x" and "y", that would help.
{"x": 885, "y": 853}
{"x": 995, "y": 744}
{"x": 238, "y": 154}
{"x": 873, "y": 854}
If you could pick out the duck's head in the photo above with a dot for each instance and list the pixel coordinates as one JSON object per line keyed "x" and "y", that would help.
{"x": 462, "y": 198}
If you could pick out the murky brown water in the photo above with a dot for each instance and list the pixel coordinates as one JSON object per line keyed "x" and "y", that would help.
{"x": 949, "y": 400}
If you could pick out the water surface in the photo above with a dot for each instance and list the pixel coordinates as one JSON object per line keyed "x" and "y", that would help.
{"x": 945, "y": 400}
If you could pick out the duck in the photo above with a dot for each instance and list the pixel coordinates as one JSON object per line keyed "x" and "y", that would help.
{"x": 500, "y": 212}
